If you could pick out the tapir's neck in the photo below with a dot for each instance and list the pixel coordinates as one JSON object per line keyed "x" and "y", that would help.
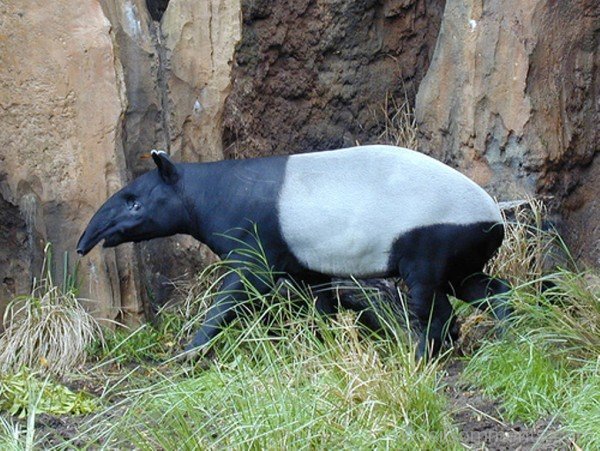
{"x": 225, "y": 198}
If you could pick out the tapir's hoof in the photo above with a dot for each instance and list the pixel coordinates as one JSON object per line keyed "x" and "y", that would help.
{"x": 454, "y": 334}
{"x": 190, "y": 355}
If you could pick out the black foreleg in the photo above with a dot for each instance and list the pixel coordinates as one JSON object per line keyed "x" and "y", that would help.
{"x": 233, "y": 293}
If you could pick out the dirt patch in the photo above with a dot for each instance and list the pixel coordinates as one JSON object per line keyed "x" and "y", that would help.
{"x": 479, "y": 420}
{"x": 312, "y": 75}
{"x": 58, "y": 430}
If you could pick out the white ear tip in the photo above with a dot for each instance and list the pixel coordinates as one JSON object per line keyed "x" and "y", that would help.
{"x": 154, "y": 152}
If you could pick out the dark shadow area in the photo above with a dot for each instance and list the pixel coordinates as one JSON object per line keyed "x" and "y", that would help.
{"x": 157, "y": 8}
{"x": 14, "y": 255}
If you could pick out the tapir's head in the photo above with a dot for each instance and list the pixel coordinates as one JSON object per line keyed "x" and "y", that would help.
{"x": 149, "y": 207}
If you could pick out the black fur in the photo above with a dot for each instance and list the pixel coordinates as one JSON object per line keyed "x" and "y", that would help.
{"x": 447, "y": 259}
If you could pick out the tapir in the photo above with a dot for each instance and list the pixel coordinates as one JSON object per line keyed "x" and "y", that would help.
{"x": 367, "y": 212}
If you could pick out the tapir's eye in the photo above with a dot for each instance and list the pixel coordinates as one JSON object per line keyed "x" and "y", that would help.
{"x": 133, "y": 204}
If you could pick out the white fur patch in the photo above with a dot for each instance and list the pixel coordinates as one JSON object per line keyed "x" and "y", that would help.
{"x": 156, "y": 152}
{"x": 341, "y": 211}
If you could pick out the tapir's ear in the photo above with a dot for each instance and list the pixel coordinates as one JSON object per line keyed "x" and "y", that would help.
{"x": 166, "y": 168}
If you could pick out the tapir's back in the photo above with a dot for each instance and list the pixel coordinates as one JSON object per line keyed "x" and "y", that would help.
{"x": 341, "y": 211}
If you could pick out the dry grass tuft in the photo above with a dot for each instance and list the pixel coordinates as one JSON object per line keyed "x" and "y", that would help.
{"x": 47, "y": 330}
{"x": 399, "y": 124}
{"x": 527, "y": 245}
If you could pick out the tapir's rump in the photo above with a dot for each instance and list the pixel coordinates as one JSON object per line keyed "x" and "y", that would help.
{"x": 341, "y": 211}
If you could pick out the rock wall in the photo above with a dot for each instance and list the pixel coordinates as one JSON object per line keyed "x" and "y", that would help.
{"x": 87, "y": 88}
{"x": 314, "y": 74}
{"x": 176, "y": 59}
{"x": 512, "y": 97}
{"x": 15, "y": 253}
{"x": 61, "y": 107}
{"x": 506, "y": 91}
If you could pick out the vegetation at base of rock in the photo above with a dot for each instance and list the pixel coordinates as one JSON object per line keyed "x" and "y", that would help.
{"x": 25, "y": 390}
{"x": 399, "y": 124}
{"x": 530, "y": 247}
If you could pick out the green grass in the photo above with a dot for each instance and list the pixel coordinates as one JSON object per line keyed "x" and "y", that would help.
{"x": 582, "y": 409}
{"x": 529, "y": 382}
{"x": 145, "y": 344}
{"x": 547, "y": 365}
{"x": 315, "y": 386}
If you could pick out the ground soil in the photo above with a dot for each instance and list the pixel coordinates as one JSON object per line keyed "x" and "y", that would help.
{"x": 480, "y": 424}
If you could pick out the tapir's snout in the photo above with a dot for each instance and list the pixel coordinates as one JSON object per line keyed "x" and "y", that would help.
{"x": 104, "y": 225}
{"x": 87, "y": 242}
{"x": 84, "y": 246}
{"x": 80, "y": 249}
{"x": 96, "y": 231}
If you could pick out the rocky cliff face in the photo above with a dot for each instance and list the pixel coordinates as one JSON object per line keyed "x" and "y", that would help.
{"x": 512, "y": 98}
{"x": 176, "y": 59}
{"x": 86, "y": 89}
{"x": 61, "y": 108}
{"x": 506, "y": 91}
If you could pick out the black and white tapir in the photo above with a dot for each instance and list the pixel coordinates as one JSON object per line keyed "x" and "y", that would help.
{"x": 370, "y": 211}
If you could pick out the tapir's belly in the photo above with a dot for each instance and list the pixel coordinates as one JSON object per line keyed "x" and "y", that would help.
{"x": 341, "y": 214}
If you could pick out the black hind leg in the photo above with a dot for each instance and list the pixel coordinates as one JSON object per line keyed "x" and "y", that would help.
{"x": 484, "y": 292}
{"x": 433, "y": 311}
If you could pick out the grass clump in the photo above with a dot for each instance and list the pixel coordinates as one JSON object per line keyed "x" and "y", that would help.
{"x": 565, "y": 316}
{"x": 48, "y": 330}
{"x": 529, "y": 246}
{"x": 308, "y": 388}
{"x": 529, "y": 382}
